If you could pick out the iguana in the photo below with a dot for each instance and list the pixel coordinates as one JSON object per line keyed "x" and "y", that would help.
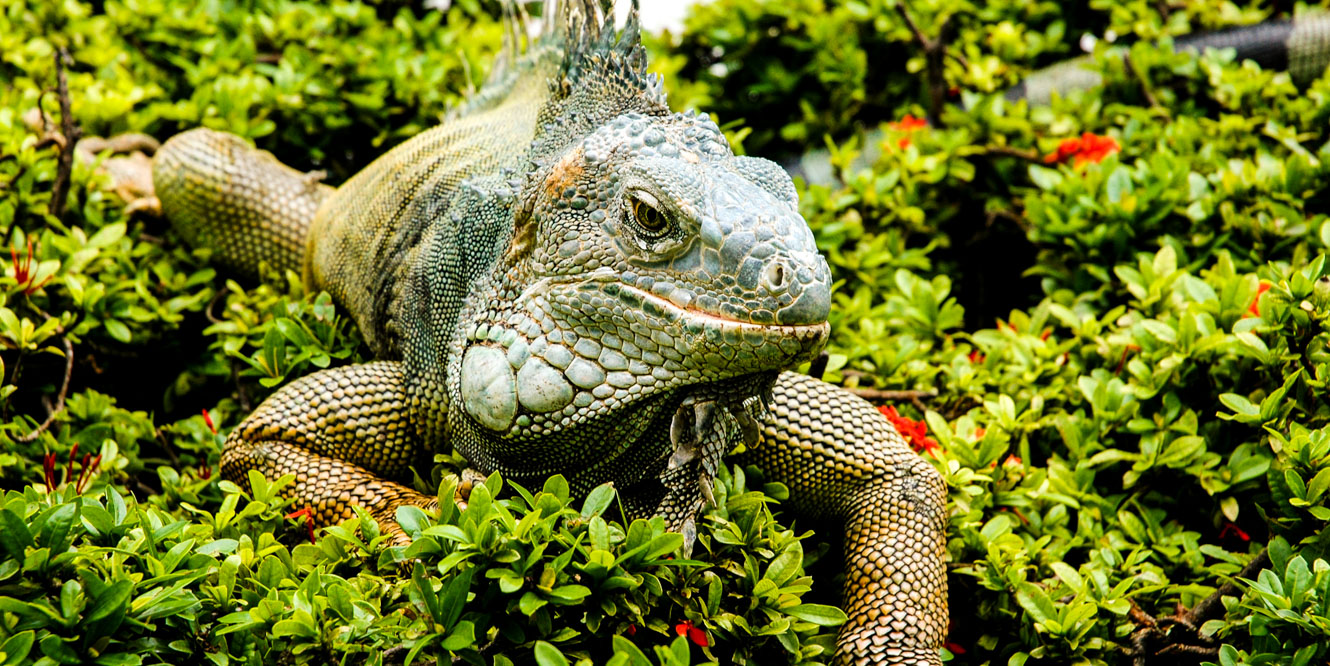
{"x": 567, "y": 277}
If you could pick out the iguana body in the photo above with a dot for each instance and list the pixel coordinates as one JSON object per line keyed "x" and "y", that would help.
{"x": 566, "y": 277}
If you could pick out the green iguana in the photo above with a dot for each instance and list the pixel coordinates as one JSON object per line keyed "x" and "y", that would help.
{"x": 567, "y": 277}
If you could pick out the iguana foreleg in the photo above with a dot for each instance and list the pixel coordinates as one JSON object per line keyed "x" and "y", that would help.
{"x": 343, "y": 433}
{"x": 840, "y": 457}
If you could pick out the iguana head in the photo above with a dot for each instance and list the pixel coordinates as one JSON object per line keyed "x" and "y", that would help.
{"x": 646, "y": 258}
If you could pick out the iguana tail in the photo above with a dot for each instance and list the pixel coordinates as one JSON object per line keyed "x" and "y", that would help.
{"x": 219, "y": 192}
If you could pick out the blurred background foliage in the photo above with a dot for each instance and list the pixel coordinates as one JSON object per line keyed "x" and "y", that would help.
{"x": 1118, "y": 343}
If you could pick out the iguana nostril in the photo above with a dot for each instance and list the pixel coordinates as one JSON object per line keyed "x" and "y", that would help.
{"x": 773, "y": 277}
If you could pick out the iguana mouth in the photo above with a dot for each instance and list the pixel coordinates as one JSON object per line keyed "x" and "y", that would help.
{"x": 713, "y": 319}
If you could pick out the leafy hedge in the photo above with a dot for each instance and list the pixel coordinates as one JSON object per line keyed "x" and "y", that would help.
{"x": 1126, "y": 331}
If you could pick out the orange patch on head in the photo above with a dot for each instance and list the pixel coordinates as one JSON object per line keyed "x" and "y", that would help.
{"x": 565, "y": 173}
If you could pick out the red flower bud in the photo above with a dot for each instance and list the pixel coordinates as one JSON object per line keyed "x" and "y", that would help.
{"x": 308, "y": 515}
{"x": 693, "y": 633}
{"x": 1253, "y": 310}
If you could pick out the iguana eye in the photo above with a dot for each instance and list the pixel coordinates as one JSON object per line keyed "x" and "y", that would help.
{"x": 652, "y": 221}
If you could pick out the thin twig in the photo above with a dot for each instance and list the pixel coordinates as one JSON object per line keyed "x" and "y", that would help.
{"x": 935, "y": 53}
{"x": 167, "y": 448}
{"x": 216, "y": 298}
{"x": 60, "y": 397}
{"x": 1140, "y": 79}
{"x": 1010, "y": 216}
{"x": 1210, "y": 606}
{"x": 1165, "y": 638}
{"x": 885, "y": 394}
{"x": 1009, "y": 151}
{"x": 71, "y": 132}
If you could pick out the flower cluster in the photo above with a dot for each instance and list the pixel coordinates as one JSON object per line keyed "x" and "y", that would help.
{"x": 914, "y": 432}
{"x": 88, "y": 466}
{"x": 907, "y": 125}
{"x": 1089, "y": 147}
{"x": 24, "y": 274}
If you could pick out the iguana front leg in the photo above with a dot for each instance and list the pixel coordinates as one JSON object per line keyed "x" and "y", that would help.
{"x": 343, "y": 433}
{"x": 841, "y": 458}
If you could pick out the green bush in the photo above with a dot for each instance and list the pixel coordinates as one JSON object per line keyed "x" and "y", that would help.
{"x": 1130, "y": 350}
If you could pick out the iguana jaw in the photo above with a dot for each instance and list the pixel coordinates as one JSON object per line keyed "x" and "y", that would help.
{"x": 710, "y": 345}
{"x": 812, "y": 335}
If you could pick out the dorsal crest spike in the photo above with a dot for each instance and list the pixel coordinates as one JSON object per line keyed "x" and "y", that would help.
{"x": 585, "y": 69}
{"x": 601, "y": 74}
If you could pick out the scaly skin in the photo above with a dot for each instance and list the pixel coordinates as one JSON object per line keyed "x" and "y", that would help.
{"x": 566, "y": 277}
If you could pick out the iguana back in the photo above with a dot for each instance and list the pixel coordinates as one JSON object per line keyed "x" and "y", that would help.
{"x": 365, "y": 234}
{"x": 356, "y": 240}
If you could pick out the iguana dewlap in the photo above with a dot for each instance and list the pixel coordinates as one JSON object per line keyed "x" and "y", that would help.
{"x": 567, "y": 277}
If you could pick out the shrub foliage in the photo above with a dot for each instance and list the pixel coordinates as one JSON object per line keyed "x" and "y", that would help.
{"x": 1114, "y": 311}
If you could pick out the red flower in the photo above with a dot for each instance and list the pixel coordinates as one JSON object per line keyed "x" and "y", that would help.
{"x": 976, "y": 357}
{"x": 308, "y": 515}
{"x": 23, "y": 272}
{"x": 1088, "y": 148}
{"x": 1230, "y": 529}
{"x": 693, "y": 633}
{"x": 73, "y": 455}
{"x": 87, "y": 472}
{"x": 914, "y": 432}
{"x": 1253, "y": 310}
{"x": 631, "y": 630}
{"x": 207, "y": 418}
{"x": 907, "y": 125}
{"x": 48, "y": 472}
{"x": 87, "y": 469}
{"x": 1047, "y": 332}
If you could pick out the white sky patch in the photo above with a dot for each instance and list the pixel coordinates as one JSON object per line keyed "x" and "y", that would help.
{"x": 660, "y": 15}
{"x": 656, "y": 15}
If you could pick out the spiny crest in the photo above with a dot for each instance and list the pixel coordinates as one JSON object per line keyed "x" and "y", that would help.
{"x": 602, "y": 73}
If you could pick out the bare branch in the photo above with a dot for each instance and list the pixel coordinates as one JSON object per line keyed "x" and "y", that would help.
{"x": 935, "y": 55}
{"x": 71, "y": 132}
{"x": 1140, "y": 79}
{"x": 60, "y": 397}
{"x": 883, "y": 394}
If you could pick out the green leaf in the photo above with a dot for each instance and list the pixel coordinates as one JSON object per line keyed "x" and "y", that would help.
{"x": 823, "y": 616}
{"x": 1044, "y": 178}
{"x": 295, "y": 628}
{"x": 786, "y": 565}
{"x": 548, "y": 655}
{"x": 117, "y": 329}
{"x": 598, "y": 500}
{"x": 663, "y": 545}
{"x": 461, "y": 637}
{"x": 17, "y": 647}
{"x": 623, "y": 646}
